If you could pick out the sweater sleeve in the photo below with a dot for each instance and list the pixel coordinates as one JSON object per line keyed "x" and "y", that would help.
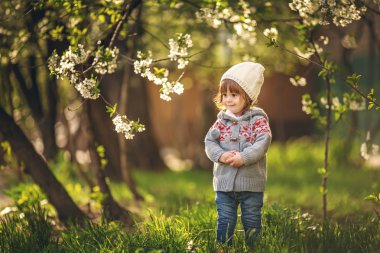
{"x": 259, "y": 148}
{"x": 212, "y": 143}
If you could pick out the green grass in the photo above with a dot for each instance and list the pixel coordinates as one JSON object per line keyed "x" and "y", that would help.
{"x": 293, "y": 181}
{"x": 179, "y": 214}
{"x": 191, "y": 230}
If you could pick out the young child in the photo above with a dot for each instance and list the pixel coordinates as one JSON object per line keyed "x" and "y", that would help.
{"x": 237, "y": 144}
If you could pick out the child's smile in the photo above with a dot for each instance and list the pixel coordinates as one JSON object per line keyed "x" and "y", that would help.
{"x": 233, "y": 102}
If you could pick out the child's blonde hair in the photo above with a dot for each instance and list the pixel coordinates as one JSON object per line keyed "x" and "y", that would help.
{"x": 233, "y": 87}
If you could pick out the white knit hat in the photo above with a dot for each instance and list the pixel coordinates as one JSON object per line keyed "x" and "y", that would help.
{"x": 249, "y": 75}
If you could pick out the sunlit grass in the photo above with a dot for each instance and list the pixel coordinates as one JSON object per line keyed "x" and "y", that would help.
{"x": 179, "y": 213}
{"x": 293, "y": 180}
{"x": 190, "y": 230}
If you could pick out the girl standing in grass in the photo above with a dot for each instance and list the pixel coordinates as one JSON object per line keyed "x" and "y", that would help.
{"x": 237, "y": 143}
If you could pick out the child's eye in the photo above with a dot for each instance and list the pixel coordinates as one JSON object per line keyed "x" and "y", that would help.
{"x": 234, "y": 94}
{"x": 224, "y": 95}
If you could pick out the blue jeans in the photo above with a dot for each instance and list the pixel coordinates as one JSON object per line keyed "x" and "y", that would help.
{"x": 227, "y": 204}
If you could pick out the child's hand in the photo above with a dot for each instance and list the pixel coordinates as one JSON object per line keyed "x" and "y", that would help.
{"x": 225, "y": 156}
{"x": 235, "y": 160}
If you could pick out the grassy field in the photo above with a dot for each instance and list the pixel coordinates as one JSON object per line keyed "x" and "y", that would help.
{"x": 293, "y": 181}
{"x": 178, "y": 214}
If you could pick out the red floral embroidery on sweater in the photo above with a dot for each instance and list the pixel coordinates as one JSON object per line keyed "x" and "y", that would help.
{"x": 249, "y": 132}
{"x": 261, "y": 126}
{"x": 225, "y": 131}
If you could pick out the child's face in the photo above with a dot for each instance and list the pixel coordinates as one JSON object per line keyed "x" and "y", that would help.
{"x": 233, "y": 102}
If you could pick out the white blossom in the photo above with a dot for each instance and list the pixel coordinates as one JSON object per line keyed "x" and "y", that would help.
{"x": 178, "y": 88}
{"x": 76, "y": 55}
{"x": 271, "y": 33}
{"x": 355, "y": 105}
{"x": 117, "y": 2}
{"x": 309, "y": 52}
{"x": 182, "y": 63}
{"x": 324, "y": 40}
{"x": 335, "y": 103}
{"x": 298, "y": 81}
{"x": 64, "y": 66}
{"x": 322, "y": 12}
{"x": 165, "y": 97}
{"x": 105, "y": 60}
{"x": 127, "y": 127}
{"x": 305, "y": 9}
{"x": 178, "y": 49}
{"x": 307, "y": 106}
{"x": 142, "y": 65}
{"x": 88, "y": 88}
{"x": 240, "y": 18}
{"x": 344, "y": 15}
{"x": 159, "y": 77}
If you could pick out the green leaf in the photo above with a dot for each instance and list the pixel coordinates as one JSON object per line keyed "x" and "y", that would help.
{"x": 371, "y": 104}
{"x": 159, "y": 71}
{"x": 103, "y": 163}
{"x": 111, "y": 110}
{"x": 337, "y": 115}
{"x": 370, "y": 197}
{"x": 101, "y": 18}
{"x": 100, "y": 149}
{"x": 322, "y": 171}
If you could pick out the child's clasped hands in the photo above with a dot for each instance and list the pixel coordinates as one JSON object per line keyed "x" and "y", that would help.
{"x": 233, "y": 158}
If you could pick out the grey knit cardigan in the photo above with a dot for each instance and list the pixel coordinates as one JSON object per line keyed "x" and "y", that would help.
{"x": 248, "y": 134}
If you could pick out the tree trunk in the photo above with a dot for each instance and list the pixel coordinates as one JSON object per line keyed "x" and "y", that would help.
{"x": 143, "y": 151}
{"x": 110, "y": 207}
{"x": 44, "y": 120}
{"x": 104, "y": 130}
{"x": 38, "y": 169}
{"x": 125, "y": 166}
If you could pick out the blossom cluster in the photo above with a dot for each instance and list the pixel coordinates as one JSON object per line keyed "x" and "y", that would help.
{"x": 335, "y": 103}
{"x": 64, "y": 66}
{"x": 126, "y": 126}
{"x": 344, "y": 15}
{"x": 88, "y": 88}
{"x": 271, "y": 33}
{"x": 340, "y": 13}
{"x": 105, "y": 60}
{"x": 307, "y": 104}
{"x": 243, "y": 25}
{"x": 309, "y": 51}
{"x": 351, "y": 102}
{"x": 158, "y": 76}
{"x": 70, "y": 65}
{"x": 354, "y": 104}
{"x": 298, "y": 81}
{"x": 178, "y": 49}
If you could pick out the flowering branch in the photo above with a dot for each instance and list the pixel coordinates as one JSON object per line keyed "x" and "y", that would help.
{"x": 275, "y": 43}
